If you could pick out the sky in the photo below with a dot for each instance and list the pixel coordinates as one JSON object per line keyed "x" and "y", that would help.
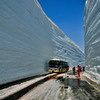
{"x": 68, "y": 15}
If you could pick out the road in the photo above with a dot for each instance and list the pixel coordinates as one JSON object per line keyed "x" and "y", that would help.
{"x": 60, "y": 88}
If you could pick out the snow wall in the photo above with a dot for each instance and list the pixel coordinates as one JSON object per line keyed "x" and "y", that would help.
{"x": 28, "y": 39}
{"x": 92, "y": 38}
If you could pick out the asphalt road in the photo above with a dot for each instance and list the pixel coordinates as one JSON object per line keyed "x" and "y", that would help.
{"x": 60, "y": 88}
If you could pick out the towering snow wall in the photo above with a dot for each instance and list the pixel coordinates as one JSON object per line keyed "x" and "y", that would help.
{"x": 28, "y": 39}
{"x": 92, "y": 38}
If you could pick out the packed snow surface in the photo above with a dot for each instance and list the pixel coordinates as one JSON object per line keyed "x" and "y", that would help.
{"x": 92, "y": 38}
{"x": 29, "y": 39}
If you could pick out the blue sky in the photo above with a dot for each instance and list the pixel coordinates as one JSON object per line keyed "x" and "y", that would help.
{"x": 68, "y": 15}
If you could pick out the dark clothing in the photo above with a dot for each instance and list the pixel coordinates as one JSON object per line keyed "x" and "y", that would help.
{"x": 83, "y": 68}
{"x": 73, "y": 70}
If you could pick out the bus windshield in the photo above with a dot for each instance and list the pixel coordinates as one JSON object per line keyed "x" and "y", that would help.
{"x": 54, "y": 64}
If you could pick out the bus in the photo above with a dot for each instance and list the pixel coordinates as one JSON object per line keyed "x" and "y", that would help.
{"x": 57, "y": 65}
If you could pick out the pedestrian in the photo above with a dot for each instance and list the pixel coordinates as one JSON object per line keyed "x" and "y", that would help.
{"x": 83, "y": 68}
{"x": 78, "y": 71}
{"x": 73, "y": 70}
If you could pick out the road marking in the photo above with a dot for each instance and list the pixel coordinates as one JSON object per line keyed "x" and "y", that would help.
{"x": 53, "y": 76}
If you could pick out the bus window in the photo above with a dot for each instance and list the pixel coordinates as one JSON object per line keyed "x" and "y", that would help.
{"x": 54, "y": 64}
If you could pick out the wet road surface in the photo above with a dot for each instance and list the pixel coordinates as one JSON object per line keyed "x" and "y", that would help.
{"x": 63, "y": 89}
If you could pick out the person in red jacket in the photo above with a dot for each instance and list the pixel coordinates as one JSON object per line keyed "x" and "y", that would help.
{"x": 78, "y": 71}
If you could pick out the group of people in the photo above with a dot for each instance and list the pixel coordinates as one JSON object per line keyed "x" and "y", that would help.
{"x": 79, "y": 69}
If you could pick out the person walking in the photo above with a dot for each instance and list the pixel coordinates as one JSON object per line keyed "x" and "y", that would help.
{"x": 78, "y": 71}
{"x": 73, "y": 70}
{"x": 83, "y": 68}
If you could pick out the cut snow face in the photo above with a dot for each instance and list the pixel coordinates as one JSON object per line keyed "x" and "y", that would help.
{"x": 92, "y": 38}
{"x": 29, "y": 39}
